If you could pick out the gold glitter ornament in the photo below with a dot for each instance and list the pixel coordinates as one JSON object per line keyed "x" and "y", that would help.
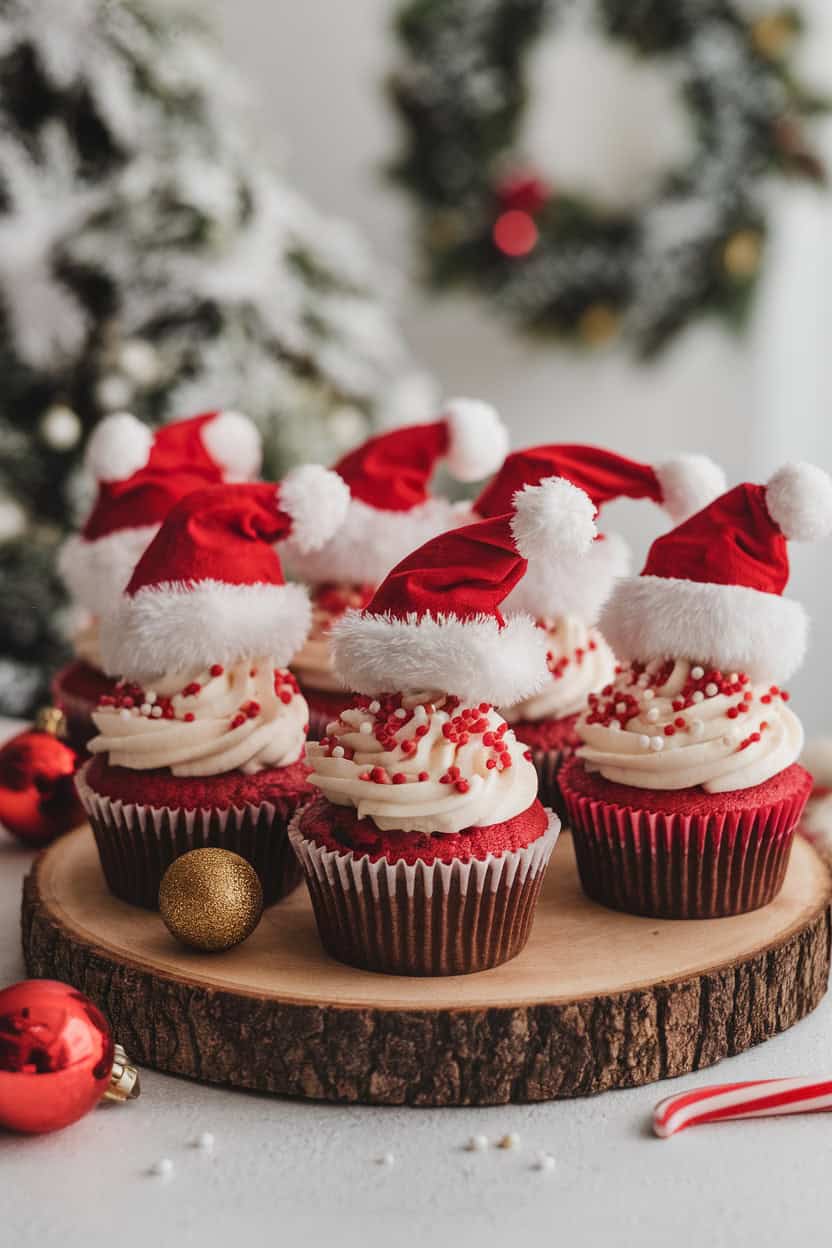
{"x": 598, "y": 324}
{"x": 772, "y": 34}
{"x": 742, "y": 254}
{"x": 211, "y": 899}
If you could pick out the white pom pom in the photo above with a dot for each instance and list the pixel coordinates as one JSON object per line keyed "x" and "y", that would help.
{"x": 233, "y": 442}
{"x": 688, "y": 483}
{"x": 477, "y": 439}
{"x": 799, "y": 501}
{"x": 120, "y": 445}
{"x": 551, "y": 517}
{"x": 317, "y": 501}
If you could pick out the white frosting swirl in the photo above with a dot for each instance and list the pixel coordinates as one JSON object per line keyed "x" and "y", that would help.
{"x": 674, "y": 725}
{"x": 204, "y": 723}
{"x": 580, "y": 661}
{"x": 423, "y": 763}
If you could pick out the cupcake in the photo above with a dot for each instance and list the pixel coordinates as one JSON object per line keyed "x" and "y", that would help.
{"x": 565, "y": 593}
{"x": 140, "y": 475}
{"x": 426, "y": 849}
{"x": 203, "y": 740}
{"x": 686, "y": 790}
{"x": 391, "y": 512}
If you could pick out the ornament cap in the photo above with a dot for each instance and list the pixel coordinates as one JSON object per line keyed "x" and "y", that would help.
{"x": 125, "y": 1084}
{"x": 51, "y": 720}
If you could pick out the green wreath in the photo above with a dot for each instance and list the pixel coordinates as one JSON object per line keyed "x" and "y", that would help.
{"x": 556, "y": 262}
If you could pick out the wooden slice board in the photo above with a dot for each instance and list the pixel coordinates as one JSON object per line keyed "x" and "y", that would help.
{"x": 598, "y": 1000}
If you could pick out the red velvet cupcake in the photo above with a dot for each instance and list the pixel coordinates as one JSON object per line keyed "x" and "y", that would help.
{"x": 391, "y": 512}
{"x": 565, "y": 594}
{"x": 426, "y": 852}
{"x": 204, "y": 739}
{"x": 685, "y": 793}
{"x": 140, "y": 476}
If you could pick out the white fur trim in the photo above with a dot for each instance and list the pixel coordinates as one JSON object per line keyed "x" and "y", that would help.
{"x": 119, "y": 446}
{"x": 477, "y": 439}
{"x": 688, "y": 483}
{"x": 729, "y": 626}
{"x": 817, "y": 758}
{"x": 177, "y": 627}
{"x": 474, "y": 659}
{"x": 371, "y": 542}
{"x": 799, "y": 501}
{"x": 233, "y": 442}
{"x": 551, "y": 517}
{"x": 96, "y": 572}
{"x": 572, "y": 584}
{"x": 317, "y": 501}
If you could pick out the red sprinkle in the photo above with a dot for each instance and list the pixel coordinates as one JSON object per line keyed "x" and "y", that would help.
{"x": 399, "y": 777}
{"x": 238, "y": 720}
{"x": 491, "y": 763}
{"x": 423, "y": 775}
{"x": 670, "y": 731}
{"x": 217, "y": 669}
{"x": 462, "y": 786}
{"x": 188, "y": 717}
{"x": 191, "y": 690}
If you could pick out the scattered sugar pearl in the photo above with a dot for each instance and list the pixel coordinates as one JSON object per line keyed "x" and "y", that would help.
{"x": 697, "y": 696}
{"x": 733, "y": 678}
{"x": 337, "y": 751}
{"x": 657, "y": 743}
{"x": 387, "y": 1160}
{"x": 652, "y": 715}
{"x": 163, "y": 1168}
{"x": 511, "y": 1140}
{"x": 616, "y": 725}
{"x": 544, "y": 1161}
{"x": 621, "y": 708}
{"x": 644, "y": 742}
{"x": 697, "y": 672}
{"x": 204, "y": 1141}
{"x": 420, "y": 715}
{"x": 145, "y": 709}
{"x": 374, "y": 708}
{"x": 366, "y": 727}
{"x": 649, "y": 695}
{"x": 711, "y": 689}
{"x": 477, "y": 1144}
{"x": 156, "y": 712}
{"x": 401, "y": 713}
{"x": 150, "y": 696}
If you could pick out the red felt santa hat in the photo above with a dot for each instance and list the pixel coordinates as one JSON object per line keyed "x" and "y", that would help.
{"x": 572, "y": 584}
{"x": 711, "y": 588}
{"x": 435, "y": 622}
{"x": 210, "y": 586}
{"x": 391, "y": 508}
{"x": 141, "y": 474}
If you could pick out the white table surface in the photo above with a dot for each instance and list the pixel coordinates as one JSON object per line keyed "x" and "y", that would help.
{"x": 289, "y": 1173}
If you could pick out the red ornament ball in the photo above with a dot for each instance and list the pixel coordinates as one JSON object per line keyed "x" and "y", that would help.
{"x": 523, "y": 192}
{"x": 56, "y": 1055}
{"x": 515, "y": 233}
{"x": 37, "y": 788}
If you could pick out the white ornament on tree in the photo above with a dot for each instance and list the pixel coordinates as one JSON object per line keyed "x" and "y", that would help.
{"x": 60, "y": 427}
{"x": 113, "y": 392}
{"x": 139, "y": 360}
{"x": 12, "y": 520}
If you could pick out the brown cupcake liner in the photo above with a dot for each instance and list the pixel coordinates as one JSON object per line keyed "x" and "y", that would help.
{"x": 137, "y": 843}
{"x": 424, "y": 918}
{"x": 547, "y": 764}
{"x": 677, "y": 866}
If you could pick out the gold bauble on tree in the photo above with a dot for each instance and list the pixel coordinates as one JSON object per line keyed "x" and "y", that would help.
{"x": 772, "y": 34}
{"x": 742, "y": 253}
{"x": 598, "y": 323}
{"x": 211, "y": 899}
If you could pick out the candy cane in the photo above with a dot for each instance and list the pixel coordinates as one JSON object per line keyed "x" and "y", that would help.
{"x": 761, "y": 1098}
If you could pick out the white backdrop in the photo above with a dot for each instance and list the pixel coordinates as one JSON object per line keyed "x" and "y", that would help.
{"x": 316, "y": 70}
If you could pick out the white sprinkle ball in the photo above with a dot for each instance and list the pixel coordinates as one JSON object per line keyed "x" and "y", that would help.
{"x": 544, "y": 1161}
{"x": 338, "y": 751}
{"x": 615, "y": 725}
{"x": 657, "y": 743}
{"x": 697, "y": 727}
{"x": 711, "y": 690}
{"x": 697, "y": 672}
{"x": 150, "y": 696}
{"x": 163, "y": 1168}
{"x": 649, "y": 695}
{"x": 205, "y": 1142}
{"x": 145, "y": 708}
{"x": 366, "y": 728}
{"x": 156, "y": 712}
{"x": 653, "y": 714}
{"x": 374, "y": 708}
{"x": 401, "y": 713}
{"x": 477, "y": 1144}
{"x": 697, "y": 696}
{"x": 621, "y": 708}
{"x": 733, "y": 678}
{"x": 644, "y": 742}
{"x": 387, "y": 1160}
{"x": 511, "y": 1140}
{"x": 331, "y": 728}
{"x": 420, "y": 714}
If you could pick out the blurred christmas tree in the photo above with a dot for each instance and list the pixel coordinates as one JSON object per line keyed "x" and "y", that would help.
{"x": 150, "y": 260}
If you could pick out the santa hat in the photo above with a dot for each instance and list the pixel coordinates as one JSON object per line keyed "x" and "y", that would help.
{"x": 580, "y": 584}
{"x": 711, "y": 588}
{"x": 435, "y": 622}
{"x": 210, "y": 587}
{"x": 141, "y": 474}
{"x": 391, "y": 510}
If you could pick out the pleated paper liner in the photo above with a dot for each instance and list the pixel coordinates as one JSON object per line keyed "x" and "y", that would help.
{"x": 547, "y": 765}
{"x": 729, "y": 860}
{"x": 137, "y": 844}
{"x": 424, "y": 918}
